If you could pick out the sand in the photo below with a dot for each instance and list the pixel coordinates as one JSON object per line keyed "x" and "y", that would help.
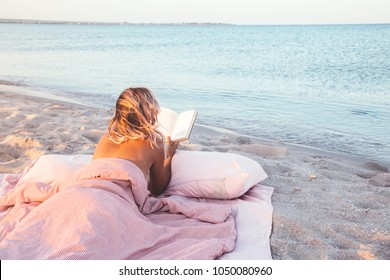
{"x": 326, "y": 205}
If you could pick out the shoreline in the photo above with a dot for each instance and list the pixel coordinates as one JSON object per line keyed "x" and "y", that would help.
{"x": 326, "y": 205}
{"x": 14, "y": 88}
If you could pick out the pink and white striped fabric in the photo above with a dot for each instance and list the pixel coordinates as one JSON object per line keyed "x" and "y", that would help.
{"x": 104, "y": 211}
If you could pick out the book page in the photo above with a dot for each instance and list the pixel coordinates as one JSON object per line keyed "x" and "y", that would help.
{"x": 183, "y": 127}
{"x": 167, "y": 119}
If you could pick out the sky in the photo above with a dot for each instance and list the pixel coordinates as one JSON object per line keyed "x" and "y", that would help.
{"x": 215, "y": 11}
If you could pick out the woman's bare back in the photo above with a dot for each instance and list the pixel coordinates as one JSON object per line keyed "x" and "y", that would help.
{"x": 137, "y": 151}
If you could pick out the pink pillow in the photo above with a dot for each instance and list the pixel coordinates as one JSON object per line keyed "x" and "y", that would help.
{"x": 213, "y": 174}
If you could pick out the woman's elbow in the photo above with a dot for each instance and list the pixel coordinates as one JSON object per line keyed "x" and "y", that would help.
{"x": 156, "y": 190}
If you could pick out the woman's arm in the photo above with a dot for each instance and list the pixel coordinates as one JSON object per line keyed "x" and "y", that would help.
{"x": 160, "y": 172}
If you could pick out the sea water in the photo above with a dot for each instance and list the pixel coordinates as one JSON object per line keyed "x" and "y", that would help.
{"x": 326, "y": 86}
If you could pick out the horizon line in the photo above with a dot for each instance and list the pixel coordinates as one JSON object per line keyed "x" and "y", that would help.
{"x": 76, "y": 22}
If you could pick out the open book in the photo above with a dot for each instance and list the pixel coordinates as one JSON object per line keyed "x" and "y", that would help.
{"x": 177, "y": 126}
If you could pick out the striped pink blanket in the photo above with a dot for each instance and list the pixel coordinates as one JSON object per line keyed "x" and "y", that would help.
{"x": 103, "y": 211}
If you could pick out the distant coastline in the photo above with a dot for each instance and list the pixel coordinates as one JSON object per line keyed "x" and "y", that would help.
{"x": 38, "y": 21}
{"x": 65, "y": 22}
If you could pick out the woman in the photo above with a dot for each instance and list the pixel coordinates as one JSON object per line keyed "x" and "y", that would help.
{"x": 94, "y": 214}
{"x": 132, "y": 134}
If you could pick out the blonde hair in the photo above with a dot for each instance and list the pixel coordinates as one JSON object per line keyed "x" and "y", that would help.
{"x": 135, "y": 117}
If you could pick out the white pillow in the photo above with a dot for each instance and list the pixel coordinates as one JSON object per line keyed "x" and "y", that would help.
{"x": 54, "y": 168}
{"x": 213, "y": 174}
{"x": 194, "y": 173}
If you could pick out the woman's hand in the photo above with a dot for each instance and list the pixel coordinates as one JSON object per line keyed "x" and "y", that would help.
{"x": 170, "y": 147}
